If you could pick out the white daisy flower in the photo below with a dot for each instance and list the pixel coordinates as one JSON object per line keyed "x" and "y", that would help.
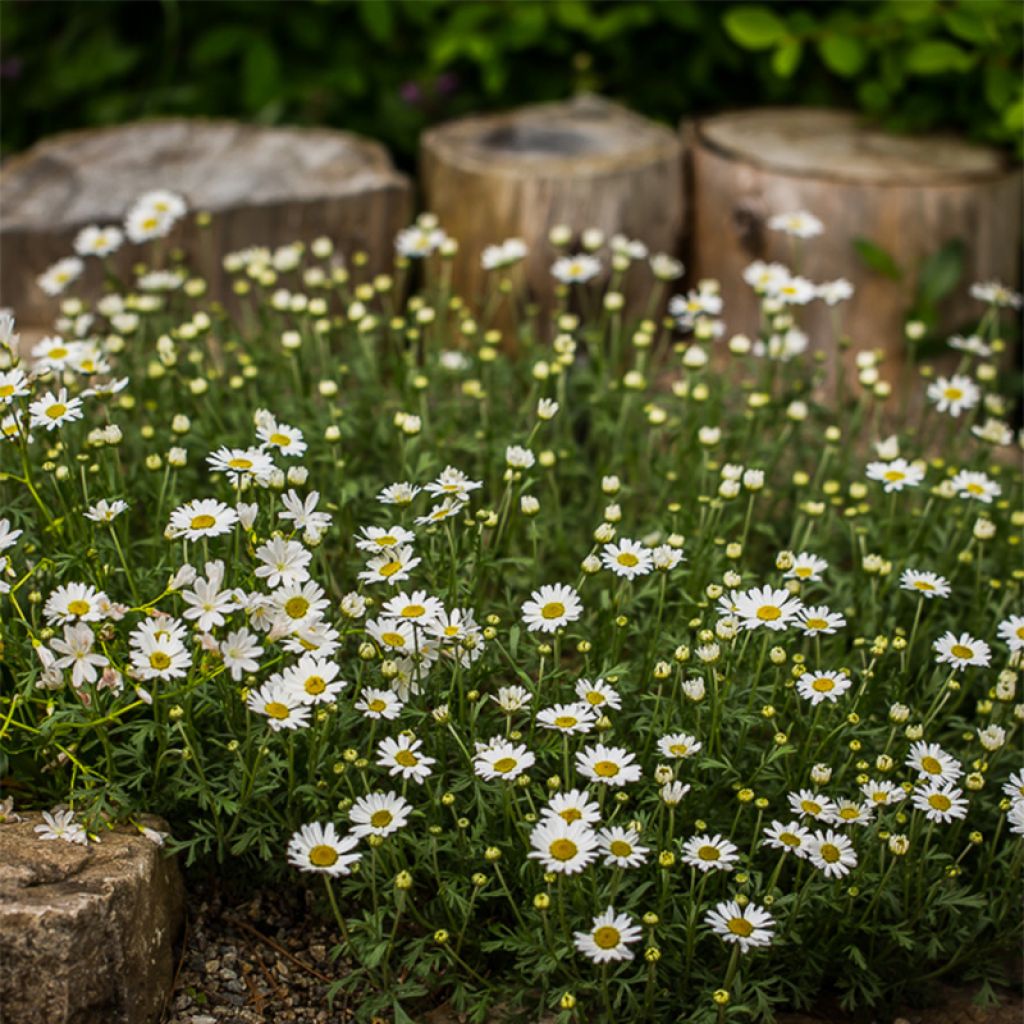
{"x": 551, "y": 607}
{"x": 447, "y": 509}
{"x": 941, "y": 802}
{"x": 379, "y": 814}
{"x": 1015, "y": 818}
{"x": 575, "y": 805}
{"x": 13, "y": 384}
{"x": 281, "y": 438}
{"x": 398, "y": 494}
{"x": 512, "y": 698}
{"x": 96, "y": 241}
{"x": 8, "y": 537}
{"x": 568, "y": 718}
{"x": 563, "y": 847}
{"x": 391, "y": 566}
{"x": 419, "y": 608}
{"x": 158, "y": 650}
{"x": 106, "y": 511}
{"x": 76, "y": 652}
{"x": 302, "y": 512}
{"x": 884, "y": 793}
{"x": 679, "y": 744}
{"x": 961, "y": 651}
{"x": 453, "y": 483}
{"x": 627, "y": 558}
{"x": 996, "y": 294}
{"x": 1011, "y": 630}
{"x": 78, "y": 601}
{"x": 806, "y": 801}
{"x": 517, "y": 457}
{"x": 764, "y": 606}
{"x": 849, "y": 812}
{"x": 401, "y": 757}
{"x": 281, "y": 705}
{"x": 710, "y": 853}
{"x": 393, "y": 636}
{"x": 501, "y": 759}
{"x": 896, "y": 474}
{"x": 319, "y": 848}
{"x": 765, "y": 278}
{"x": 377, "y": 539}
{"x": 598, "y": 694}
{"x": 976, "y": 486}
{"x": 55, "y": 352}
{"x": 285, "y": 562}
{"x": 208, "y": 603}
{"x": 927, "y": 584}
{"x": 797, "y": 224}
{"x": 953, "y": 394}
{"x": 748, "y": 926}
{"x": 672, "y": 793}
{"x": 930, "y": 761}
{"x": 203, "y": 517}
{"x": 609, "y": 766}
{"x": 621, "y": 849}
{"x": 57, "y": 277}
{"x": 241, "y": 464}
{"x": 834, "y": 292}
{"x": 50, "y": 410}
{"x": 142, "y": 224}
{"x": 313, "y": 680}
{"x": 820, "y": 620}
{"x": 577, "y": 269}
{"x": 823, "y": 686}
{"x": 375, "y": 703}
{"x": 790, "y": 837}
{"x": 832, "y": 853}
{"x": 61, "y": 824}
{"x": 298, "y": 605}
{"x": 417, "y": 241}
{"x": 241, "y": 652}
{"x": 795, "y": 291}
{"x": 807, "y": 568}
{"x": 609, "y": 938}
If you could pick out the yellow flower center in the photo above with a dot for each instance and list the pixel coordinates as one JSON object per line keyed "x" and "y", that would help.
{"x": 566, "y": 721}
{"x": 56, "y": 410}
{"x": 627, "y": 559}
{"x": 552, "y": 610}
{"x": 923, "y": 585}
{"x": 974, "y": 489}
{"x": 810, "y": 807}
{"x": 709, "y": 853}
{"x": 78, "y": 607}
{"x": 275, "y": 709}
{"x": 315, "y": 685}
{"x": 203, "y": 522}
{"x": 607, "y": 937}
{"x": 895, "y": 475}
{"x": 413, "y": 611}
{"x": 571, "y": 814}
{"x": 789, "y": 839}
{"x": 393, "y": 639}
{"x": 940, "y": 802}
{"x": 740, "y": 926}
{"x": 323, "y": 856}
{"x": 296, "y": 607}
{"x": 387, "y": 541}
{"x": 620, "y": 848}
{"x": 803, "y": 572}
{"x": 281, "y": 440}
{"x": 830, "y": 853}
{"x": 240, "y": 463}
{"x": 960, "y": 651}
{"x": 849, "y": 813}
{"x": 931, "y": 765}
{"x": 817, "y": 623}
{"x": 389, "y": 569}
{"x": 159, "y": 660}
{"x": 57, "y": 352}
{"x": 6, "y": 390}
{"x": 768, "y": 613}
{"x": 563, "y": 849}
{"x": 679, "y": 749}
{"x": 451, "y": 630}
{"x": 606, "y": 769}
{"x": 823, "y": 684}
{"x": 593, "y": 697}
{"x": 377, "y": 705}
{"x": 505, "y": 764}
{"x": 953, "y": 394}
{"x": 381, "y": 819}
{"x": 406, "y": 758}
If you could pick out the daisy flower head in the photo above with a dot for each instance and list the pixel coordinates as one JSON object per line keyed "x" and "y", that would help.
{"x": 927, "y": 584}
{"x": 795, "y": 291}
{"x": 240, "y": 465}
{"x": 627, "y": 558}
{"x": 55, "y": 352}
{"x": 158, "y": 650}
{"x": 57, "y": 277}
{"x": 577, "y": 269}
{"x": 598, "y": 694}
{"x": 849, "y": 812}
{"x": 374, "y": 703}
{"x": 401, "y": 756}
{"x": 797, "y": 224}
{"x": 381, "y": 538}
{"x": 970, "y": 343}
{"x": 419, "y": 241}
{"x": 710, "y": 853}
{"x": 823, "y": 686}
{"x": 953, "y": 394}
{"x": 895, "y": 474}
{"x": 79, "y": 602}
{"x": 208, "y": 603}
{"x": 96, "y": 241}
{"x": 940, "y": 802}
{"x": 930, "y": 761}
{"x": 748, "y": 926}
{"x": 419, "y": 608}
{"x": 394, "y": 636}
{"x": 283, "y": 562}
{"x": 834, "y": 292}
{"x": 679, "y": 744}
{"x": 1011, "y": 630}
{"x": 76, "y": 652}
{"x": 961, "y": 651}
{"x": 789, "y": 837}
{"x": 512, "y": 698}
{"x": 832, "y": 853}
{"x": 1015, "y": 818}
{"x": 975, "y": 486}
{"x": 106, "y": 511}
{"x": 564, "y": 847}
{"x": 240, "y": 651}
{"x": 575, "y": 805}
{"x": 609, "y": 766}
{"x": 392, "y": 566}
{"x": 281, "y": 705}
{"x": 13, "y": 384}
{"x": 568, "y": 718}
{"x": 61, "y": 824}
{"x": 303, "y": 512}
{"x": 764, "y": 606}
{"x": 501, "y": 759}
{"x": 819, "y": 620}
{"x": 621, "y": 848}
{"x": 551, "y": 607}
{"x": 453, "y": 483}
{"x": 298, "y": 605}
{"x": 609, "y": 938}
{"x": 1014, "y": 786}
{"x": 882, "y": 794}
{"x": 518, "y": 457}
{"x": 281, "y": 438}
{"x": 319, "y": 848}
{"x": 398, "y": 494}
{"x": 313, "y": 680}
{"x": 765, "y": 278}
{"x": 807, "y": 568}
{"x": 203, "y": 517}
{"x": 8, "y": 537}
{"x": 996, "y": 294}
{"x": 447, "y": 509}
{"x": 806, "y": 801}
{"x": 379, "y": 814}
{"x": 50, "y": 410}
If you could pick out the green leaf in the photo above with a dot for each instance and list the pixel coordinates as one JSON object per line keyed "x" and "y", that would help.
{"x": 754, "y": 26}
{"x": 845, "y": 55}
{"x": 376, "y": 17}
{"x": 877, "y": 259}
{"x": 786, "y": 59}
{"x": 941, "y": 272}
{"x": 966, "y": 23}
{"x": 873, "y": 96}
{"x": 1013, "y": 118}
{"x": 936, "y": 57}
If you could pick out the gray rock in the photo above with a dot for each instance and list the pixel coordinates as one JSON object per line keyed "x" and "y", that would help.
{"x": 86, "y": 933}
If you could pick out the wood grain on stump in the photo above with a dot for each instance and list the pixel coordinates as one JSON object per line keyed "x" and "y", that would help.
{"x": 584, "y": 163}
{"x": 908, "y": 194}
{"x": 264, "y": 186}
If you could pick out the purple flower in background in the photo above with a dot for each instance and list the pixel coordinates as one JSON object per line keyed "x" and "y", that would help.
{"x": 410, "y": 93}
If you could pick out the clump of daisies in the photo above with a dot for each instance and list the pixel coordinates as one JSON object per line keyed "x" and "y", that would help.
{"x": 598, "y": 663}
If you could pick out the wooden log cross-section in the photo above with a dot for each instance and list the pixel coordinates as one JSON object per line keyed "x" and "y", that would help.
{"x": 908, "y": 195}
{"x": 264, "y": 186}
{"x": 586, "y": 163}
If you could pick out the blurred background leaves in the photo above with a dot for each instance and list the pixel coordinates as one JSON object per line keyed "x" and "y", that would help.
{"x": 388, "y": 68}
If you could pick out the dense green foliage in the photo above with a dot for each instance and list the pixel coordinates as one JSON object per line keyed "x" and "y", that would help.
{"x": 389, "y": 69}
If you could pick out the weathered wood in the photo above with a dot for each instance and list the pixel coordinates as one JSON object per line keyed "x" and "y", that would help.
{"x": 908, "y": 194}
{"x": 264, "y": 186}
{"x": 586, "y": 163}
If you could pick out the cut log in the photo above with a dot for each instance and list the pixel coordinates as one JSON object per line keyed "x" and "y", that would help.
{"x": 264, "y": 186}
{"x": 910, "y": 195}
{"x": 586, "y": 163}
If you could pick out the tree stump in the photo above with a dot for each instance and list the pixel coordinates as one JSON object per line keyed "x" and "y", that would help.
{"x": 586, "y": 163}
{"x": 264, "y": 186}
{"x": 908, "y": 195}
